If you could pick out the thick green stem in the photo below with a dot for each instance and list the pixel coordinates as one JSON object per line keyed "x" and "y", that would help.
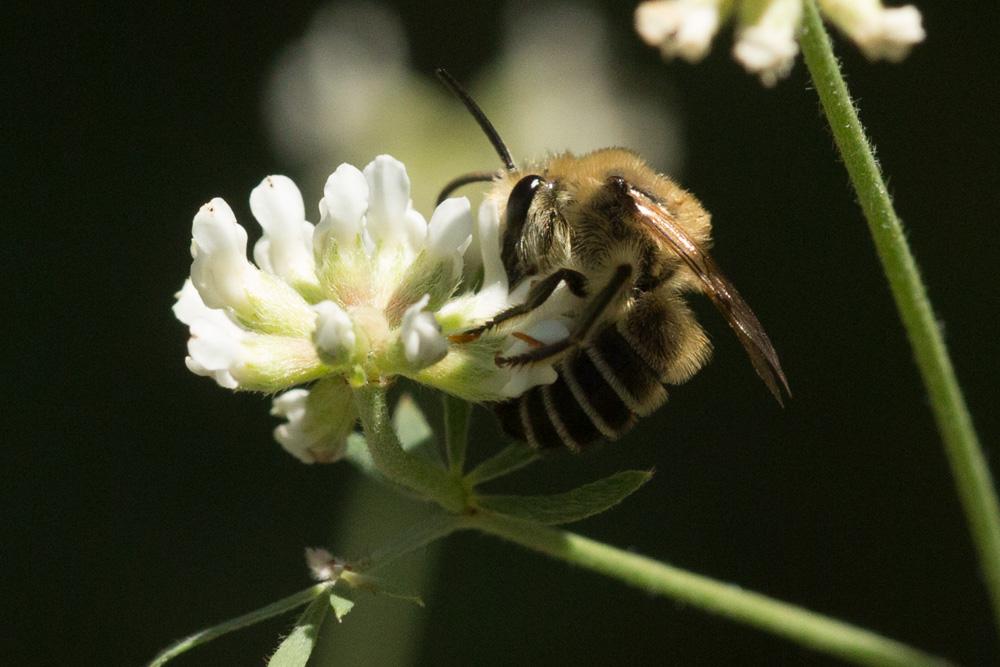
{"x": 428, "y": 480}
{"x": 456, "y": 430}
{"x": 795, "y": 623}
{"x": 968, "y": 464}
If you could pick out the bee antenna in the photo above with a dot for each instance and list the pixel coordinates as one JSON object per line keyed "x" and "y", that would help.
{"x": 477, "y": 113}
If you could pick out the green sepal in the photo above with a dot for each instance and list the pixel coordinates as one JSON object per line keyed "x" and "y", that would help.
{"x": 580, "y": 503}
{"x": 340, "y": 606}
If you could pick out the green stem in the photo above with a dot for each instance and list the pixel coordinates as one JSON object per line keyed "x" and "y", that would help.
{"x": 790, "y": 621}
{"x": 456, "y": 430}
{"x": 968, "y": 464}
{"x": 428, "y": 480}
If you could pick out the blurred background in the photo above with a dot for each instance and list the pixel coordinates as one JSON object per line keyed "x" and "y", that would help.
{"x": 143, "y": 503}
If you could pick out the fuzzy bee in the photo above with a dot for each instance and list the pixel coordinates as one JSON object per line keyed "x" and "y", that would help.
{"x": 630, "y": 244}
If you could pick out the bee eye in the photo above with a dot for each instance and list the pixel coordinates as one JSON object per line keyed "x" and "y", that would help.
{"x": 518, "y": 203}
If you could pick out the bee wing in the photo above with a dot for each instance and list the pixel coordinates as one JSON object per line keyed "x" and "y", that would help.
{"x": 718, "y": 288}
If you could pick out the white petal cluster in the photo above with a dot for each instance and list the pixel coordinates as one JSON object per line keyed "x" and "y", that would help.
{"x": 368, "y": 293}
{"x": 679, "y": 28}
{"x": 767, "y": 30}
{"x": 880, "y": 32}
{"x": 766, "y": 46}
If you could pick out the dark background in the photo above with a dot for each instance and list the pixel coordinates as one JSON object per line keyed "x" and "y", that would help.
{"x": 142, "y": 503}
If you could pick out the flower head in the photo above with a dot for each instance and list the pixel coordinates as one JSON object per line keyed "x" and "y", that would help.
{"x": 767, "y": 29}
{"x": 370, "y": 292}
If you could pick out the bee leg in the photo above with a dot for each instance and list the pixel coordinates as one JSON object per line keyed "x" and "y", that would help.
{"x": 539, "y": 294}
{"x": 590, "y": 316}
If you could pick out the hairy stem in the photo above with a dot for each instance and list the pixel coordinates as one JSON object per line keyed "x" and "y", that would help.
{"x": 787, "y": 620}
{"x": 430, "y": 481}
{"x": 968, "y": 464}
{"x": 456, "y": 430}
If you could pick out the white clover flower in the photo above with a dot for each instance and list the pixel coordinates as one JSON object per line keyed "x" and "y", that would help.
{"x": 683, "y": 28}
{"x": 765, "y": 43}
{"x": 878, "y": 31}
{"x": 367, "y": 294}
{"x": 766, "y": 30}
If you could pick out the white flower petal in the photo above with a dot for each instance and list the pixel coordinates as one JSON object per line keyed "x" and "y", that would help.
{"x": 216, "y": 344}
{"x": 767, "y": 47}
{"x": 489, "y": 244}
{"x": 342, "y": 208}
{"x": 416, "y": 229}
{"x": 878, "y": 31}
{"x": 319, "y": 421}
{"x": 220, "y": 270}
{"x": 450, "y": 228}
{"x": 334, "y": 336}
{"x": 682, "y": 28}
{"x": 389, "y": 200}
{"x": 421, "y": 336}
{"x": 526, "y": 377}
{"x": 285, "y": 249}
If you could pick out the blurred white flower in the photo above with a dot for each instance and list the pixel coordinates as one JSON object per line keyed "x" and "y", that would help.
{"x": 765, "y": 43}
{"x": 367, "y": 294}
{"x": 878, "y": 31}
{"x": 767, "y": 30}
{"x": 346, "y": 90}
{"x": 682, "y": 29}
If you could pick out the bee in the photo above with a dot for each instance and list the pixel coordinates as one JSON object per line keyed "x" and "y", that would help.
{"x": 631, "y": 245}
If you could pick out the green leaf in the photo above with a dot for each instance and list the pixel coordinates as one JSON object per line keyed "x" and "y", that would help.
{"x": 341, "y": 606}
{"x": 298, "y": 646}
{"x": 256, "y": 616}
{"x": 410, "y": 425}
{"x": 581, "y": 502}
{"x": 511, "y": 458}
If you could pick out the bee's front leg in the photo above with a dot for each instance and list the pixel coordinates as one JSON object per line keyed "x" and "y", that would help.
{"x": 589, "y": 318}
{"x": 539, "y": 294}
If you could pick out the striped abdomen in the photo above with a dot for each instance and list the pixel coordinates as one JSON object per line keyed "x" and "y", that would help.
{"x": 602, "y": 389}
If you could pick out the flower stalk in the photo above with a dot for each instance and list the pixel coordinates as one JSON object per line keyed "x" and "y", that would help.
{"x": 965, "y": 455}
{"x": 800, "y": 625}
{"x": 430, "y": 481}
{"x": 456, "y": 429}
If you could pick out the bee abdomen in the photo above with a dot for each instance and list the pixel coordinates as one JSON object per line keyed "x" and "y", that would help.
{"x": 601, "y": 390}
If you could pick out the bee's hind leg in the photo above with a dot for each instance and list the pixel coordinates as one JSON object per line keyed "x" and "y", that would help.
{"x": 590, "y": 316}
{"x": 539, "y": 294}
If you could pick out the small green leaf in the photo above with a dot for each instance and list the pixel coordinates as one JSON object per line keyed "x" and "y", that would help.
{"x": 341, "y": 606}
{"x": 410, "y": 425}
{"x": 295, "y": 650}
{"x": 581, "y": 502}
{"x": 511, "y": 458}
{"x": 238, "y": 623}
